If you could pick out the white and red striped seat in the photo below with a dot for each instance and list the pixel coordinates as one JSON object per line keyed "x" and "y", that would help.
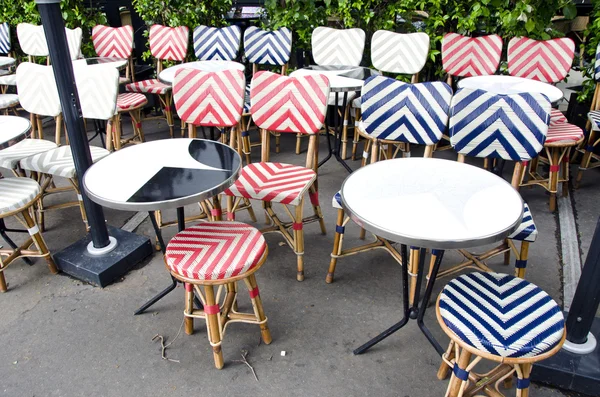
{"x": 565, "y": 133}
{"x": 471, "y": 56}
{"x": 556, "y": 117}
{"x": 129, "y": 101}
{"x": 548, "y": 60}
{"x": 215, "y": 250}
{"x": 151, "y": 86}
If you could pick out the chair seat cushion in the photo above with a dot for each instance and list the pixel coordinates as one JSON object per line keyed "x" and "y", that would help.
{"x": 526, "y": 230}
{"x": 215, "y": 250}
{"x": 556, "y": 116}
{"x": 501, "y": 315}
{"x": 276, "y": 182}
{"x": 8, "y": 100}
{"x": 15, "y": 193}
{"x": 59, "y": 161}
{"x": 10, "y": 157}
{"x": 10, "y": 79}
{"x": 336, "y": 201}
{"x": 564, "y": 133}
{"x": 130, "y": 101}
{"x": 152, "y": 86}
{"x": 594, "y": 118}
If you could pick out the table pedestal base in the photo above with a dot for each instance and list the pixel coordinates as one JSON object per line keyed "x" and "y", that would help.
{"x": 416, "y": 311}
{"x": 335, "y": 151}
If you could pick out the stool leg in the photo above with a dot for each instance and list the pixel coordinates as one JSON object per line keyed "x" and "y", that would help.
{"x": 299, "y": 240}
{"x": 345, "y": 133}
{"x": 413, "y": 268}
{"x": 565, "y": 172}
{"x": 337, "y": 245}
{"x": 38, "y": 240}
{"x": 298, "y": 144}
{"x": 587, "y": 157}
{"x": 3, "y": 286}
{"x": 554, "y": 159}
{"x": 250, "y": 282}
{"x": 356, "y": 136}
{"x": 212, "y": 321}
{"x": 521, "y": 262}
{"x": 444, "y": 367}
{"x": 189, "y": 307}
{"x": 455, "y": 387}
{"x": 523, "y": 372}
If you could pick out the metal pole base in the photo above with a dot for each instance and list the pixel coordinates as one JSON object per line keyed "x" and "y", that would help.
{"x": 581, "y": 348}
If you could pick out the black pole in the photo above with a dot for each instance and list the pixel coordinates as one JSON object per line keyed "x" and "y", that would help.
{"x": 56, "y": 38}
{"x": 587, "y": 295}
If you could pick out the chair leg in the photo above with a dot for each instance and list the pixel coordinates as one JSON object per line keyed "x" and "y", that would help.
{"x": 189, "y": 307}
{"x": 299, "y": 240}
{"x": 259, "y": 312}
{"x": 553, "y": 176}
{"x": 345, "y": 133}
{"x": 313, "y": 195}
{"x": 40, "y": 128}
{"x": 587, "y": 157}
{"x": 564, "y": 170}
{"x": 3, "y": 286}
{"x": 523, "y": 373}
{"x": 413, "y": 269}
{"x": 366, "y": 151}
{"x": 356, "y": 138}
{"x": 109, "y": 133}
{"x": 456, "y": 385}
{"x": 168, "y": 113}
{"x": 38, "y": 240}
{"x": 117, "y": 133}
{"x": 298, "y": 144}
{"x": 212, "y": 311}
{"x": 337, "y": 245}
{"x": 444, "y": 367}
{"x": 521, "y": 262}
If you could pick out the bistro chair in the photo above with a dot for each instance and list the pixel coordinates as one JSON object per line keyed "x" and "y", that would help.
{"x": 500, "y": 318}
{"x": 33, "y": 79}
{"x": 218, "y": 254}
{"x": 166, "y": 44}
{"x": 464, "y": 56}
{"x": 17, "y": 199}
{"x": 337, "y": 46}
{"x": 8, "y": 102}
{"x": 507, "y": 127}
{"x": 394, "y": 112}
{"x": 217, "y": 44}
{"x": 275, "y": 107}
{"x": 12, "y": 155}
{"x": 5, "y": 47}
{"x": 115, "y": 43}
{"x": 398, "y": 53}
{"x": 271, "y": 49}
{"x": 593, "y": 126}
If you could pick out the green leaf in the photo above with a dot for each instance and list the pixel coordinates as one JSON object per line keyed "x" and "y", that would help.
{"x": 530, "y": 25}
{"x": 570, "y": 11}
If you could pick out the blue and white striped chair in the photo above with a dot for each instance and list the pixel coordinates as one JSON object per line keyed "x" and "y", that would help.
{"x": 501, "y": 318}
{"x": 4, "y": 38}
{"x": 394, "y": 112}
{"x": 507, "y": 127}
{"x": 217, "y": 44}
{"x": 270, "y": 48}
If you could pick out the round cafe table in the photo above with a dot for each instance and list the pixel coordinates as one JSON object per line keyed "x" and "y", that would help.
{"x": 168, "y": 75}
{"x": 506, "y": 85}
{"x": 159, "y": 175}
{"x": 432, "y": 204}
{"x": 12, "y": 130}
{"x": 6, "y": 62}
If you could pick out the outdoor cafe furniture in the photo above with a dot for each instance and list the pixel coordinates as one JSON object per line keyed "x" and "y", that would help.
{"x": 8, "y": 101}
{"x": 116, "y": 43}
{"x": 501, "y": 318}
{"x": 217, "y": 44}
{"x": 159, "y": 175}
{"x": 398, "y": 53}
{"x": 6, "y": 61}
{"x": 451, "y": 205}
{"x": 17, "y": 196}
{"x": 275, "y": 107}
{"x": 167, "y": 76}
{"x": 394, "y": 112}
{"x": 508, "y": 127}
{"x": 166, "y": 44}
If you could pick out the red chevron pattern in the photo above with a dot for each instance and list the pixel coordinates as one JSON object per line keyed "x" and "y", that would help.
{"x": 548, "y": 61}
{"x": 169, "y": 44}
{"x": 289, "y": 104}
{"x": 276, "y": 182}
{"x": 113, "y": 42}
{"x": 556, "y": 116}
{"x": 151, "y": 86}
{"x": 129, "y": 101}
{"x": 212, "y": 99}
{"x": 564, "y": 133}
{"x": 215, "y": 250}
{"x": 471, "y": 56}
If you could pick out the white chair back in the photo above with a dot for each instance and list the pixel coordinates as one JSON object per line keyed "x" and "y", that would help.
{"x": 32, "y": 40}
{"x": 402, "y": 53}
{"x": 98, "y": 88}
{"x": 337, "y": 46}
{"x": 37, "y": 89}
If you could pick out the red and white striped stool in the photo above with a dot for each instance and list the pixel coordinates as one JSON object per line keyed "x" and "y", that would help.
{"x": 218, "y": 254}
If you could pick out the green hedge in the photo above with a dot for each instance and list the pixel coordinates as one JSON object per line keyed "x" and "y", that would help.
{"x": 593, "y": 39}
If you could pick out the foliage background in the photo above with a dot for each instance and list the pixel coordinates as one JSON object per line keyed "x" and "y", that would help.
{"x": 593, "y": 36}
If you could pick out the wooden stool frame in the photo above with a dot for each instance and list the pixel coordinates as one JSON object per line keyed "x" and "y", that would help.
{"x": 590, "y": 159}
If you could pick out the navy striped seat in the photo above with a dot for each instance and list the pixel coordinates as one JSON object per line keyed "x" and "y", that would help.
{"x": 268, "y": 48}
{"x": 336, "y": 201}
{"x": 526, "y": 230}
{"x": 4, "y": 38}
{"x": 217, "y": 44}
{"x": 502, "y": 315}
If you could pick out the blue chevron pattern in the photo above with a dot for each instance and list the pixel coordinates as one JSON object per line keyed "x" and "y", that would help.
{"x": 510, "y": 127}
{"x": 4, "y": 38}
{"x": 526, "y": 230}
{"x": 501, "y": 314}
{"x": 594, "y": 117}
{"x": 414, "y": 113}
{"x": 597, "y": 65}
{"x": 217, "y": 44}
{"x": 268, "y": 48}
{"x": 336, "y": 201}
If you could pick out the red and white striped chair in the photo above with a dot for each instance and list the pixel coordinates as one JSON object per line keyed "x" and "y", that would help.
{"x": 112, "y": 42}
{"x": 166, "y": 44}
{"x": 548, "y": 61}
{"x": 464, "y": 56}
{"x": 287, "y": 105}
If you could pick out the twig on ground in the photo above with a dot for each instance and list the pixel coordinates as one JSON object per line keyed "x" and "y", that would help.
{"x": 245, "y": 361}
{"x": 164, "y": 347}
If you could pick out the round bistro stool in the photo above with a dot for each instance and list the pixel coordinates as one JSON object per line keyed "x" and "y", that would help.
{"x": 501, "y": 318}
{"x": 218, "y": 254}
{"x": 17, "y": 195}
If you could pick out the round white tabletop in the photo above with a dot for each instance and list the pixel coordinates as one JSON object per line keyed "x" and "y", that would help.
{"x": 168, "y": 75}
{"x": 6, "y": 62}
{"x": 118, "y": 63}
{"x": 12, "y": 130}
{"x": 506, "y": 85}
{"x": 432, "y": 203}
{"x": 162, "y": 174}
{"x": 341, "y": 78}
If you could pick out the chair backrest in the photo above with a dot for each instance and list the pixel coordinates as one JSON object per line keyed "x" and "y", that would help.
{"x": 217, "y": 44}
{"x": 547, "y": 60}
{"x": 98, "y": 88}
{"x": 509, "y": 127}
{"x": 113, "y": 42}
{"x": 399, "y": 53}
{"x": 413, "y": 113}
{"x": 4, "y": 38}
{"x": 267, "y": 47}
{"x": 597, "y": 65}
{"x": 32, "y": 40}
{"x": 74, "y": 37}
{"x": 471, "y": 56}
{"x": 211, "y": 99}
{"x": 289, "y": 104}
{"x": 337, "y": 46}
{"x": 37, "y": 89}
{"x": 168, "y": 44}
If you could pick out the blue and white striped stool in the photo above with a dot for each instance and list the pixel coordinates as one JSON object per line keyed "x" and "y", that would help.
{"x": 501, "y": 318}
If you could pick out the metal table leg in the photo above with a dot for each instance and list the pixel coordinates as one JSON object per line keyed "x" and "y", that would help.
{"x": 337, "y": 127}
